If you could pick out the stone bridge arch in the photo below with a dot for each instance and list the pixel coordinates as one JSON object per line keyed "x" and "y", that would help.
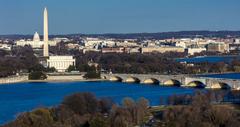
{"x": 153, "y": 81}
{"x": 196, "y": 84}
{"x": 220, "y": 85}
{"x": 132, "y": 79}
{"x": 171, "y": 82}
{"x": 115, "y": 79}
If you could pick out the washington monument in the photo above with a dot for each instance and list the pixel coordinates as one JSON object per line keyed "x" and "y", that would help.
{"x": 45, "y": 30}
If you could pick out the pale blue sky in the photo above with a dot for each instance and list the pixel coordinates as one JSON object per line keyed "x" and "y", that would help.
{"x": 118, "y": 16}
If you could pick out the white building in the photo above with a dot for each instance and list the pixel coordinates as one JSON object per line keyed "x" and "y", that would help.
{"x": 127, "y": 44}
{"x": 60, "y": 63}
{"x": 162, "y": 49}
{"x": 237, "y": 41}
{"x": 7, "y": 47}
{"x": 61, "y": 39}
{"x": 192, "y": 51}
{"x": 180, "y": 44}
{"x": 35, "y": 43}
{"x": 93, "y": 42}
{"x": 218, "y": 47}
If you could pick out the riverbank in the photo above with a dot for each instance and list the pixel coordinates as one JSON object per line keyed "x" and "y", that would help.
{"x": 210, "y": 59}
{"x": 62, "y": 78}
{"x": 13, "y": 79}
{"x": 155, "y": 109}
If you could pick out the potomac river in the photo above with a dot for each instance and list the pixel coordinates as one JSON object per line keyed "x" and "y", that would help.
{"x": 22, "y": 97}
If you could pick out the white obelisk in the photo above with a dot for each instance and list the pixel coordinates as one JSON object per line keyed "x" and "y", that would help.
{"x": 45, "y": 33}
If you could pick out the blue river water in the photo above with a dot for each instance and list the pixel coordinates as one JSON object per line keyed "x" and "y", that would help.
{"x": 22, "y": 97}
{"x": 226, "y": 76}
{"x": 209, "y": 59}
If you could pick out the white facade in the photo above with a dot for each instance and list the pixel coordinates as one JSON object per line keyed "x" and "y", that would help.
{"x": 192, "y": 51}
{"x": 91, "y": 42}
{"x": 218, "y": 47}
{"x": 237, "y": 41}
{"x": 180, "y": 44}
{"x": 127, "y": 44}
{"x": 95, "y": 42}
{"x": 61, "y": 39}
{"x": 6, "y": 47}
{"x": 60, "y": 63}
{"x": 34, "y": 44}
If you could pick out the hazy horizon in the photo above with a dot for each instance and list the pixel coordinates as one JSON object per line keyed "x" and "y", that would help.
{"x": 118, "y": 16}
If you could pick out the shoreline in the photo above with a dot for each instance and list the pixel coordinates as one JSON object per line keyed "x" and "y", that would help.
{"x": 228, "y": 72}
{"x": 55, "y": 81}
{"x": 232, "y": 55}
{"x": 67, "y": 78}
{"x": 64, "y": 80}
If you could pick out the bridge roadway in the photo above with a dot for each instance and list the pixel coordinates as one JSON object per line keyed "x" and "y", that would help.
{"x": 175, "y": 80}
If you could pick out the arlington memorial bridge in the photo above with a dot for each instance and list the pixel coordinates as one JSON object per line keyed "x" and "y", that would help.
{"x": 175, "y": 80}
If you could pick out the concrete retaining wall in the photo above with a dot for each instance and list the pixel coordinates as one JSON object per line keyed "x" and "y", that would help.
{"x": 13, "y": 79}
{"x": 65, "y": 78}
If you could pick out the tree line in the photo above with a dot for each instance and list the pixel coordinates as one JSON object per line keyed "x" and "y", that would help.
{"x": 200, "y": 112}
{"x": 157, "y": 63}
{"x": 85, "y": 110}
{"x": 20, "y": 59}
{"x": 132, "y": 63}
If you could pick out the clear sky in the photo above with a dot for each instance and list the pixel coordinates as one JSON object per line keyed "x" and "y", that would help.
{"x": 118, "y": 16}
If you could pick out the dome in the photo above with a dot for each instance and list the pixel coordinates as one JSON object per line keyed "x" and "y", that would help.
{"x": 36, "y": 37}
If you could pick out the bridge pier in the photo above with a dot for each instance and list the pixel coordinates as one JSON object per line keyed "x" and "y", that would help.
{"x": 185, "y": 81}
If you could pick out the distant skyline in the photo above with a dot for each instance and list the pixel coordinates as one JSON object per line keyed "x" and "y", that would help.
{"x": 118, "y": 16}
